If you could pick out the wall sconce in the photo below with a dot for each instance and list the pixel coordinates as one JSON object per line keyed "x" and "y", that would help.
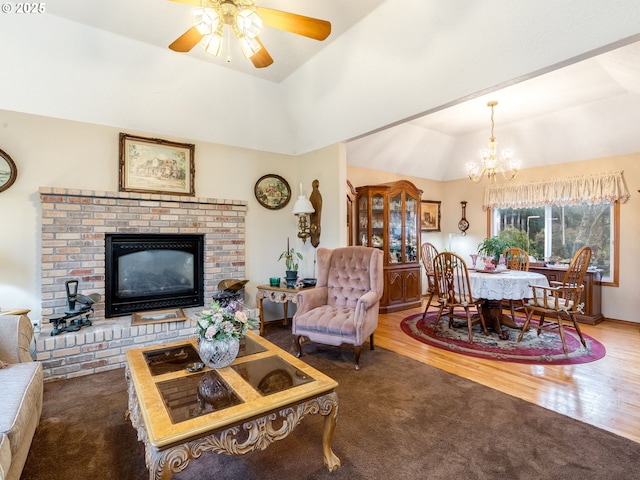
{"x": 302, "y": 209}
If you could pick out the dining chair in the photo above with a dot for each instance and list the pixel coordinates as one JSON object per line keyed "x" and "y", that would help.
{"x": 428, "y": 253}
{"x": 516, "y": 259}
{"x": 561, "y": 300}
{"x": 454, "y": 291}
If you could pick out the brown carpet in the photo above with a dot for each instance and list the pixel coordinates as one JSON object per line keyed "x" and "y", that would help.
{"x": 398, "y": 419}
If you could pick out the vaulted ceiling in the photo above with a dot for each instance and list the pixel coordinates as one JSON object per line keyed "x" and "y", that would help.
{"x": 406, "y": 87}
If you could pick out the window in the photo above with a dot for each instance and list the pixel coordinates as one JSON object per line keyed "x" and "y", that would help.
{"x": 555, "y": 233}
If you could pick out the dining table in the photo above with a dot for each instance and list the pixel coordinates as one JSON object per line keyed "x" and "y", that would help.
{"x": 494, "y": 286}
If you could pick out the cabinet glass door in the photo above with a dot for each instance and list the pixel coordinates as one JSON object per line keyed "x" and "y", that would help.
{"x": 395, "y": 229}
{"x": 377, "y": 221}
{"x": 411, "y": 223}
{"x": 363, "y": 221}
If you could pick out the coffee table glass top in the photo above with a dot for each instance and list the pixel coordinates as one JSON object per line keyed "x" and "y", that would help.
{"x": 175, "y": 358}
{"x": 195, "y": 395}
{"x": 177, "y": 404}
{"x": 271, "y": 375}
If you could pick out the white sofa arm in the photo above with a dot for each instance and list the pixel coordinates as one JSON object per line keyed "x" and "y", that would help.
{"x": 16, "y": 333}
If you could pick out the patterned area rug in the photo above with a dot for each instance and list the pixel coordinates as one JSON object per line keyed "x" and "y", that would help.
{"x": 543, "y": 349}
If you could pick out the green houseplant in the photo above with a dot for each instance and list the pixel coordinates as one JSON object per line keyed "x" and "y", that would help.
{"x": 291, "y": 258}
{"x": 493, "y": 247}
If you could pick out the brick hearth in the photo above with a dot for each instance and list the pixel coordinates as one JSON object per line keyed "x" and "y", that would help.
{"x": 74, "y": 223}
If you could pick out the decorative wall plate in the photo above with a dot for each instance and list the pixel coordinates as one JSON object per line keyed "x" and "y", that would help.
{"x": 272, "y": 191}
{"x": 8, "y": 171}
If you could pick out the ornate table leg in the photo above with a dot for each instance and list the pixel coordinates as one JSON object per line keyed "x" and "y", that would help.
{"x": 331, "y": 461}
{"x": 285, "y": 307}
{"x": 493, "y": 316}
{"x": 261, "y": 314}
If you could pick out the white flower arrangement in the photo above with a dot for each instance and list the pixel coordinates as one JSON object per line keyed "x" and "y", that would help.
{"x": 217, "y": 323}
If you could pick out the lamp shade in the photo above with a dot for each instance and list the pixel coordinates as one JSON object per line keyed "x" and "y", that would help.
{"x": 302, "y": 206}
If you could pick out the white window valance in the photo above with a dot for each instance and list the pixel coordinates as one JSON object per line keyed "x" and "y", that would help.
{"x": 591, "y": 189}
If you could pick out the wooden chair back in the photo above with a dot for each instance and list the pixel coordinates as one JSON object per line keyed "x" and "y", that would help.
{"x": 516, "y": 259}
{"x": 578, "y": 267}
{"x": 428, "y": 253}
{"x": 452, "y": 279}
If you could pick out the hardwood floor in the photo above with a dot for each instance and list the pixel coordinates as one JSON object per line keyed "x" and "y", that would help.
{"x": 605, "y": 393}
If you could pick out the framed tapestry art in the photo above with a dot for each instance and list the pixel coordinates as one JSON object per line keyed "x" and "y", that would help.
{"x": 152, "y": 165}
{"x": 430, "y": 216}
{"x": 272, "y": 191}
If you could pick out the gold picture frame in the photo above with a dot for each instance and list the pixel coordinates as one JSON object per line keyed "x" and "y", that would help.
{"x": 430, "y": 216}
{"x": 8, "y": 171}
{"x": 272, "y": 191}
{"x": 153, "y": 165}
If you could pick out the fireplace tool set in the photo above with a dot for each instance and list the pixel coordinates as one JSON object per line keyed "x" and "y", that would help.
{"x": 80, "y": 308}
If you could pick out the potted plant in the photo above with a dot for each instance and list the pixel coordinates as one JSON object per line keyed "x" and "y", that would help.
{"x": 493, "y": 247}
{"x": 291, "y": 258}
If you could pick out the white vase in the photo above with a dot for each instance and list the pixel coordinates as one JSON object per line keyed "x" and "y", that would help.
{"x": 218, "y": 353}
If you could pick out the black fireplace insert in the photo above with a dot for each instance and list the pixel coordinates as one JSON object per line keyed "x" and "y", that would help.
{"x": 152, "y": 271}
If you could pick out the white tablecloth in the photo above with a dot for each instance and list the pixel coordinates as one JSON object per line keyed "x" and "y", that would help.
{"x": 507, "y": 285}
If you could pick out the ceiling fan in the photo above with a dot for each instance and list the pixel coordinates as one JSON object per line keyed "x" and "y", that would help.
{"x": 246, "y": 20}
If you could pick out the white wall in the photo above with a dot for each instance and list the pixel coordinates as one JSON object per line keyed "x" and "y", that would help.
{"x": 60, "y": 153}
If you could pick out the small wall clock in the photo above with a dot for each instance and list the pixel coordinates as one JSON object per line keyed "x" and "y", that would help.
{"x": 463, "y": 224}
{"x": 8, "y": 171}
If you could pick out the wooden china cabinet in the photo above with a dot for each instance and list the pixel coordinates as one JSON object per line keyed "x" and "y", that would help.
{"x": 388, "y": 218}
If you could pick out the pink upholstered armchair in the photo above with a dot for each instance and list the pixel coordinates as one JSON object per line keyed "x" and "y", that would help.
{"x": 343, "y": 306}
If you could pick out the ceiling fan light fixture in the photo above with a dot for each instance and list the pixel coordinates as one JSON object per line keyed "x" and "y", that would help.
{"x": 249, "y": 23}
{"x": 249, "y": 46}
{"x": 206, "y": 20}
{"x": 212, "y": 44}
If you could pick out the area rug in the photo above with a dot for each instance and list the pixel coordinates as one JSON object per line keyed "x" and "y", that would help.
{"x": 398, "y": 419}
{"x": 543, "y": 349}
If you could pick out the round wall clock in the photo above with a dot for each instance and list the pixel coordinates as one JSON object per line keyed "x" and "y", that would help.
{"x": 8, "y": 171}
{"x": 463, "y": 224}
{"x": 272, "y": 191}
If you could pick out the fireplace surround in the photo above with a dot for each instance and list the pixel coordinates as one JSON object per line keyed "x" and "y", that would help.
{"x": 75, "y": 224}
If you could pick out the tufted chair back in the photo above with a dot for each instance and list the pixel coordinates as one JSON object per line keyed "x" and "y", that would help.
{"x": 343, "y": 307}
{"x": 348, "y": 274}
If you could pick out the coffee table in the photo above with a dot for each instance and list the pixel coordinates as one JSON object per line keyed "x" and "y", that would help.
{"x": 260, "y": 398}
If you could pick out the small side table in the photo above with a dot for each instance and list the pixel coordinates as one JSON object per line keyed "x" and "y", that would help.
{"x": 276, "y": 295}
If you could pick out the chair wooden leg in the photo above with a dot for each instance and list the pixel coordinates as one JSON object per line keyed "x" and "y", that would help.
{"x": 469, "y": 324}
{"x": 577, "y": 327}
{"x": 540, "y": 323}
{"x": 561, "y": 331}
{"x": 357, "y": 357}
{"x": 427, "y": 307}
{"x": 483, "y": 323}
{"x": 439, "y": 316}
{"x": 299, "y": 345}
{"x": 526, "y": 325}
{"x": 371, "y": 342}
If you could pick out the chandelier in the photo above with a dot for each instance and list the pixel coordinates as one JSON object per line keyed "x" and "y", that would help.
{"x": 491, "y": 164}
{"x": 239, "y": 15}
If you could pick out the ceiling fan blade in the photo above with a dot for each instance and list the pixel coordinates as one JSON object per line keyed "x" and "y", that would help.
{"x": 298, "y": 24}
{"x": 197, "y": 3}
{"x": 186, "y": 41}
{"x": 262, "y": 58}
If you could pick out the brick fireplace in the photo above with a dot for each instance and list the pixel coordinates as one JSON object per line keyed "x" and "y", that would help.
{"x": 74, "y": 224}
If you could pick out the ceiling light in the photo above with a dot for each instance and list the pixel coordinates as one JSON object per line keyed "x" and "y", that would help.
{"x": 245, "y": 23}
{"x": 491, "y": 164}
